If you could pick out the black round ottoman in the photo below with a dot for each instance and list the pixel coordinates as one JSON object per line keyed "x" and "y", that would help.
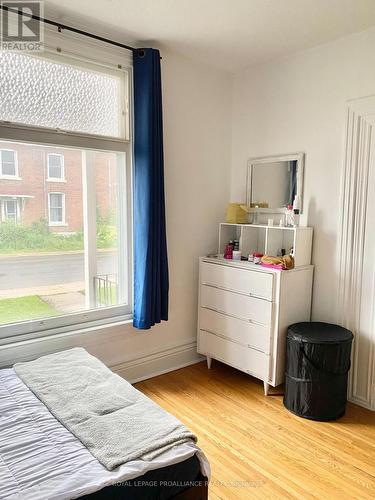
{"x": 317, "y": 366}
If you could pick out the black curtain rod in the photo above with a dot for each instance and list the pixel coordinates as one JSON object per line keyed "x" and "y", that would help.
{"x": 61, "y": 27}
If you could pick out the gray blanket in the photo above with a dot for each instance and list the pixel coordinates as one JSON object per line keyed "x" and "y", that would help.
{"x": 111, "y": 418}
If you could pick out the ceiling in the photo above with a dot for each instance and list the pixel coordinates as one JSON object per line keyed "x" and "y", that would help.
{"x": 229, "y": 34}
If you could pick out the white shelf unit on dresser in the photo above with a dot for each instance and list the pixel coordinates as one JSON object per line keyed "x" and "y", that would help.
{"x": 268, "y": 240}
{"x": 245, "y": 309}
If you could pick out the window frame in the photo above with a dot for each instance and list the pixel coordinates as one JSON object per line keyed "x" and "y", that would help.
{"x": 5, "y": 202}
{"x": 62, "y": 167}
{"x": 72, "y": 46}
{"x": 7, "y": 176}
{"x": 52, "y": 223}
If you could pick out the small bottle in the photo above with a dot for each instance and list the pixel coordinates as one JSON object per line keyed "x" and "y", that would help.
{"x": 257, "y": 257}
{"x": 236, "y": 246}
{"x": 286, "y": 217}
{"x": 297, "y": 203}
{"x": 289, "y": 216}
{"x": 255, "y": 215}
{"x": 228, "y": 252}
{"x": 296, "y": 217}
{"x": 236, "y": 255}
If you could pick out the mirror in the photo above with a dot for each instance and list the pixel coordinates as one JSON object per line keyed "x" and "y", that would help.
{"x": 274, "y": 182}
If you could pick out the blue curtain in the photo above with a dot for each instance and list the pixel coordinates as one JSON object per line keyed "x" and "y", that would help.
{"x": 151, "y": 281}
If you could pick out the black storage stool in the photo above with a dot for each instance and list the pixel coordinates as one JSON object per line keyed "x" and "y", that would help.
{"x": 317, "y": 366}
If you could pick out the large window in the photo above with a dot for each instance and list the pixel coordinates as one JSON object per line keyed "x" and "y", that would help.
{"x": 66, "y": 247}
{"x": 8, "y": 163}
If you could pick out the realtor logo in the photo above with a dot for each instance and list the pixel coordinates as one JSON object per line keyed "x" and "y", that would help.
{"x": 19, "y": 29}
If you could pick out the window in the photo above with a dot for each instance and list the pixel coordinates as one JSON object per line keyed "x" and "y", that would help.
{"x": 8, "y": 163}
{"x": 10, "y": 210}
{"x": 81, "y": 234}
{"x": 56, "y": 207}
{"x": 55, "y": 165}
{"x": 62, "y": 94}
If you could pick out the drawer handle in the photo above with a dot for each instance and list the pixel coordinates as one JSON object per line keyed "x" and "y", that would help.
{"x": 234, "y": 341}
{"x": 249, "y": 346}
{"x": 221, "y": 287}
{"x": 219, "y": 311}
{"x": 253, "y": 322}
{"x": 248, "y": 320}
{"x": 252, "y": 295}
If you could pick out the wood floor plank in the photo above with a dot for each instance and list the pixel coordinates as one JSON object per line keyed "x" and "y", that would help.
{"x": 257, "y": 449}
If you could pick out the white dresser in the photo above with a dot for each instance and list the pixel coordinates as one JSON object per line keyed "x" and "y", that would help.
{"x": 244, "y": 312}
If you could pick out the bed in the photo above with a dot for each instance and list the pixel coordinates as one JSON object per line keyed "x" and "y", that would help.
{"x": 41, "y": 459}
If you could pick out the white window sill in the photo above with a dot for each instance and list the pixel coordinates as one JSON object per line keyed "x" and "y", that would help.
{"x": 51, "y": 179}
{"x": 67, "y": 331}
{"x": 57, "y": 224}
{"x": 11, "y": 177}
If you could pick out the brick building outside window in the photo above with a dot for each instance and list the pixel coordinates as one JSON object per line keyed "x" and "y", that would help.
{"x": 40, "y": 183}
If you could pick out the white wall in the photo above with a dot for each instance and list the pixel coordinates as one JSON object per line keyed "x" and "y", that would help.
{"x": 197, "y": 133}
{"x": 299, "y": 104}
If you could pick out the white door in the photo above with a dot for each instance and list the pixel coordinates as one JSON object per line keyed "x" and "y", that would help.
{"x": 357, "y": 263}
{"x": 363, "y": 380}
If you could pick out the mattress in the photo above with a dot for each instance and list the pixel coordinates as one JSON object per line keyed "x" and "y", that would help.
{"x": 41, "y": 459}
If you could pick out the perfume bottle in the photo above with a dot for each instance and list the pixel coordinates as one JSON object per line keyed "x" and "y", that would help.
{"x": 228, "y": 252}
{"x": 289, "y": 216}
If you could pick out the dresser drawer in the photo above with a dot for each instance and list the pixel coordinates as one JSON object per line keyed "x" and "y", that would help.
{"x": 246, "y": 359}
{"x": 248, "y": 282}
{"x": 241, "y": 306}
{"x": 249, "y": 334}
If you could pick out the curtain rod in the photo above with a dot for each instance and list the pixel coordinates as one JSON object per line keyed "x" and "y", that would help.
{"x": 61, "y": 27}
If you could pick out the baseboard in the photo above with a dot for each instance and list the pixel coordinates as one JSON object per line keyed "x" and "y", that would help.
{"x": 360, "y": 402}
{"x": 159, "y": 362}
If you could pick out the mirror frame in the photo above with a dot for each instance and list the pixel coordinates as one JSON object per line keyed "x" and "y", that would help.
{"x": 299, "y": 157}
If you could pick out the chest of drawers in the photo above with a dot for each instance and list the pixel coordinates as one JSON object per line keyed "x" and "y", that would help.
{"x": 244, "y": 312}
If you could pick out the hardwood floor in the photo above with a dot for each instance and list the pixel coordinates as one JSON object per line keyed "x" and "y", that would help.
{"x": 257, "y": 449}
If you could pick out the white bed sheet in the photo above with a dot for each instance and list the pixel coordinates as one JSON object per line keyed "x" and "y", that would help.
{"x": 40, "y": 459}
